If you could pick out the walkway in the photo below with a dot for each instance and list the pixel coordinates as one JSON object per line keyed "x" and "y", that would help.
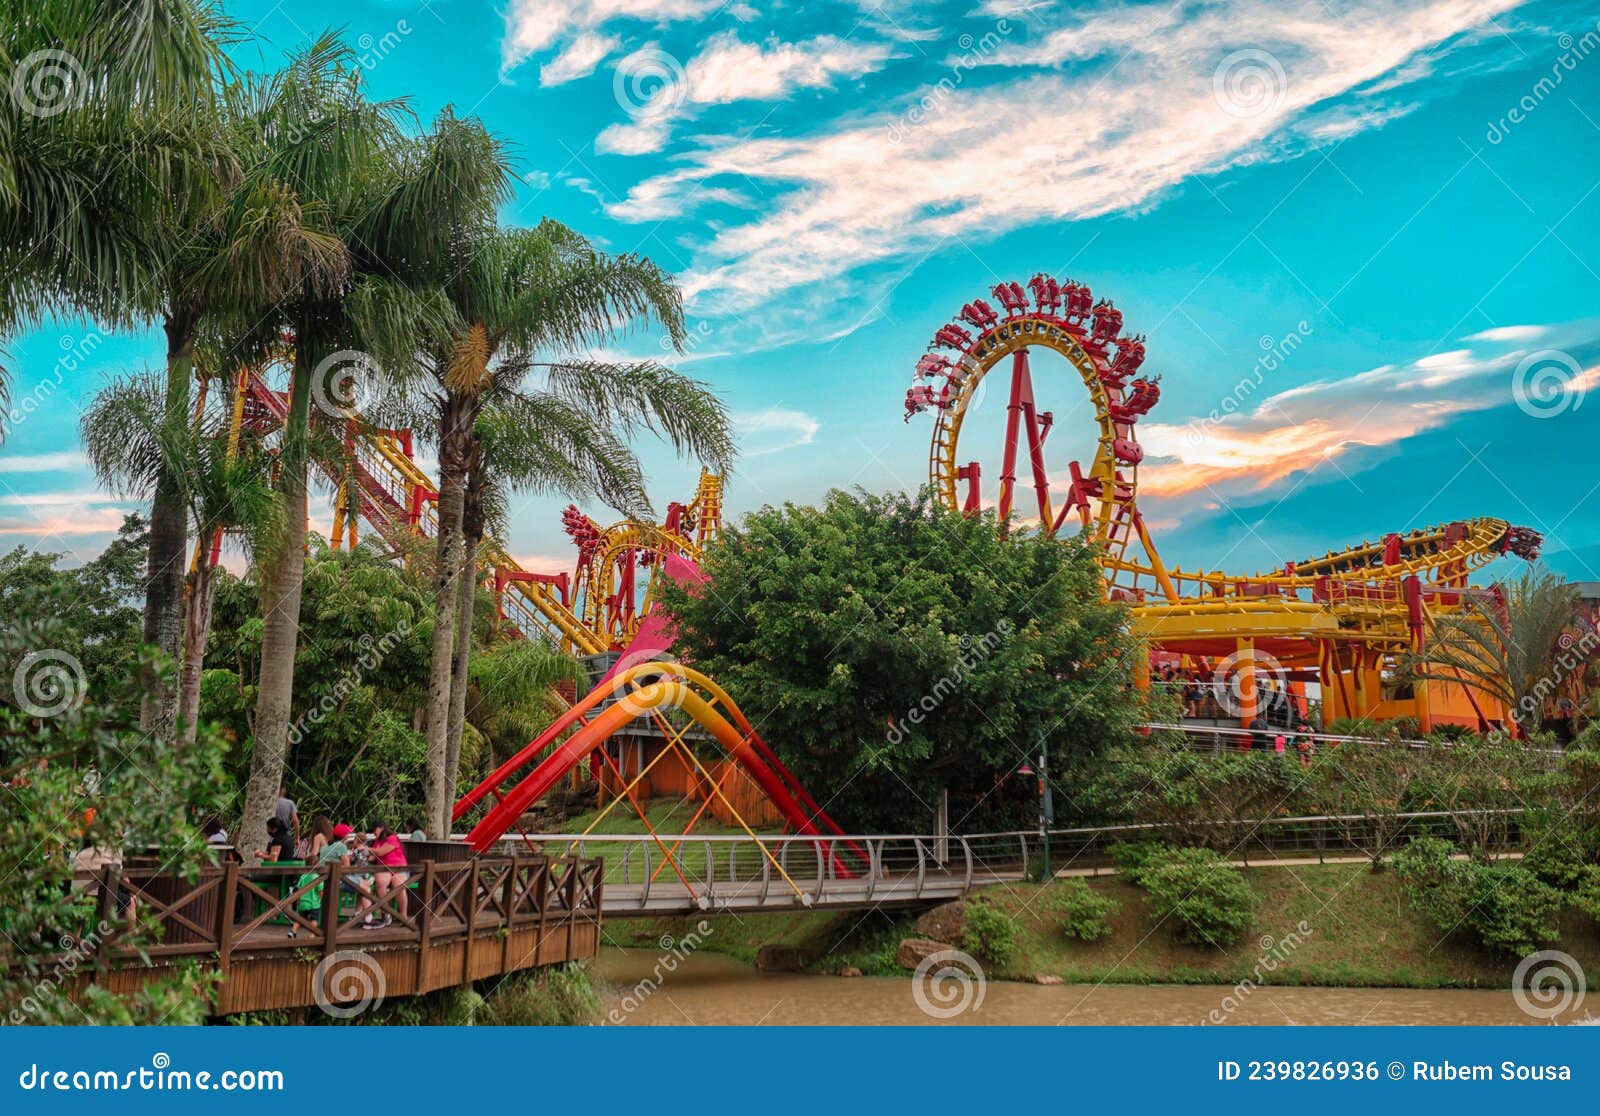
{"x": 463, "y": 921}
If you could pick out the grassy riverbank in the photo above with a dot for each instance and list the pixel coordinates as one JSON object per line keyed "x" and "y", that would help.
{"x": 1362, "y": 933}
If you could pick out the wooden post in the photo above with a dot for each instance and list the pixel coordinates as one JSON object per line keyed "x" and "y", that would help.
{"x": 425, "y": 928}
{"x": 330, "y": 908}
{"x": 472, "y": 919}
{"x": 571, "y": 905}
{"x": 230, "y": 895}
{"x": 106, "y": 911}
{"x": 507, "y": 903}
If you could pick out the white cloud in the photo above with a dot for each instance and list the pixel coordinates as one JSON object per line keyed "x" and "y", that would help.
{"x": 42, "y": 462}
{"x": 1146, "y": 103}
{"x": 1513, "y": 333}
{"x": 536, "y": 26}
{"x": 729, "y": 70}
{"x": 579, "y": 58}
{"x": 1295, "y": 430}
{"x": 775, "y": 430}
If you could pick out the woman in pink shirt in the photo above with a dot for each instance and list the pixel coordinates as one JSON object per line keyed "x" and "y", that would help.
{"x": 390, "y": 852}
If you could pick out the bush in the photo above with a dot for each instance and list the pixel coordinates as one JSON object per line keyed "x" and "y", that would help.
{"x": 1131, "y": 857}
{"x": 990, "y": 934}
{"x": 559, "y": 996}
{"x": 1206, "y": 900}
{"x": 1085, "y": 913}
{"x": 1505, "y": 907}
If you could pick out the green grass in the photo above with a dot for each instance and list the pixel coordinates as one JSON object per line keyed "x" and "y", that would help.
{"x": 666, "y": 816}
{"x": 1362, "y": 933}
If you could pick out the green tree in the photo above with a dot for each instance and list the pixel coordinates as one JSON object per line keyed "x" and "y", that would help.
{"x": 1369, "y": 784}
{"x": 556, "y": 426}
{"x": 97, "y": 605}
{"x": 1504, "y": 645}
{"x": 890, "y": 650}
{"x": 313, "y": 125}
{"x": 223, "y": 483}
{"x": 354, "y": 747}
{"x": 78, "y": 772}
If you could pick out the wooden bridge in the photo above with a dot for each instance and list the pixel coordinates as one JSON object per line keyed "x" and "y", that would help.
{"x": 289, "y": 936}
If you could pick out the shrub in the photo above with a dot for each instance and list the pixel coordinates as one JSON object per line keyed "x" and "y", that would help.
{"x": 1505, "y": 907}
{"x": 1206, "y": 900}
{"x": 559, "y": 996}
{"x": 1130, "y": 857}
{"x": 1085, "y": 913}
{"x": 990, "y": 934}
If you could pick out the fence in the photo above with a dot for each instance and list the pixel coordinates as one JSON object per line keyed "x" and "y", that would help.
{"x": 269, "y": 929}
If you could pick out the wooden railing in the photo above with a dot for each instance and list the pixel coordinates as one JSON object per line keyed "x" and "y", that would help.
{"x": 265, "y": 928}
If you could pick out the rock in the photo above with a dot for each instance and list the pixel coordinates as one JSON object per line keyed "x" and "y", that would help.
{"x": 946, "y": 923}
{"x": 1046, "y": 978}
{"x": 849, "y": 971}
{"x": 779, "y": 958}
{"x": 914, "y": 951}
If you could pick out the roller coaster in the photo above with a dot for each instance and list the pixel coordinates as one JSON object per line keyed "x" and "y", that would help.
{"x": 1342, "y": 621}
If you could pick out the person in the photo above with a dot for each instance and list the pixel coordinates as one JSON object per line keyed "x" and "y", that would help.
{"x": 390, "y": 852}
{"x": 286, "y": 813}
{"x": 360, "y": 883}
{"x": 1260, "y": 734}
{"x": 332, "y": 850}
{"x": 414, "y": 830}
{"x": 213, "y": 832}
{"x": 280, "y": 846}
{"x": 1304, "y": 744}
{"x": 321, "y": 835}
{"x": 88, "y": 869}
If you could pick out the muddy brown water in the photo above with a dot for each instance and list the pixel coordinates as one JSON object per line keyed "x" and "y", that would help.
{"x": 709, "y": 989}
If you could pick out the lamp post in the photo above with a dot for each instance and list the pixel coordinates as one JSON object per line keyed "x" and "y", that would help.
{"x": 1047, "y": 809}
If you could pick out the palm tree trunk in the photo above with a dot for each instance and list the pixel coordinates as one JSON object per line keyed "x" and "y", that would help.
{"x": 472, "y": 533}
{"x": 196, "y": 630}
{"x": 455, "y": 449}
{"x": 281, "y": 583}
{"x": 169, "y": 541}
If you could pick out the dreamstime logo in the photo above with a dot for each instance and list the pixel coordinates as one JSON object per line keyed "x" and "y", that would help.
{"x": 347, "y": 983}
{"x": 948, "y": 983}
{"x": 1249, "y": 83}
{"x": 376, "y": 50}
{"x": 1232, "y": 674}
{"x": 1573, "y": 51}
{"x": 48, "y": 682}
{"x": 674, "y": 951}
{"x": 1548, "y": 984}
{"x": 974, "y": 53}
{"x": 74, "y": 352}
{"x": 642, "y": 697}
{"x": 649, "y": 84}
{"x": 47, "y": 82}
{"x": 1274, "y": 952}
{"x": 973, "y": 652}
{"x": 1547, "y": 383}
{"x": 373, "y": 652}
{"x": 345, "y": 383}
{"x": 1275, "y": 353}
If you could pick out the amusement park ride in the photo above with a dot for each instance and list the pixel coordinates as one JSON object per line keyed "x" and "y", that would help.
{"x": 1342, "y": 621}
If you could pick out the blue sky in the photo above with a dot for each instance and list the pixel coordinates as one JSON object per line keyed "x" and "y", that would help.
{"x": 1359, "y": 233}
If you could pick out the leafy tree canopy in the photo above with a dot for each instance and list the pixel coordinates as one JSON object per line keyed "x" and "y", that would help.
{"x": 887, "y": 649}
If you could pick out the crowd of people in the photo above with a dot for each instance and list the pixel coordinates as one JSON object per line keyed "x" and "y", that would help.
{"x": 377, "y": 855}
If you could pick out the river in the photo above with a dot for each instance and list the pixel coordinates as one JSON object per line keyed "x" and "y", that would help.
{"x": 706, "y": 989}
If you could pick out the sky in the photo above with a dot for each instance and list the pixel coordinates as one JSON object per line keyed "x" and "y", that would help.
{"x": 1359, "y": 237}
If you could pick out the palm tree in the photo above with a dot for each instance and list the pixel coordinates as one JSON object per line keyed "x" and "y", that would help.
{"x": 514, "y": 698}
{"x": 1504, "y": 645}
{"x": 118, "y": 169}
{"x": 514, "y": 293}
{"x": 224, "y": 481}
{"x": 312, "y": 125}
